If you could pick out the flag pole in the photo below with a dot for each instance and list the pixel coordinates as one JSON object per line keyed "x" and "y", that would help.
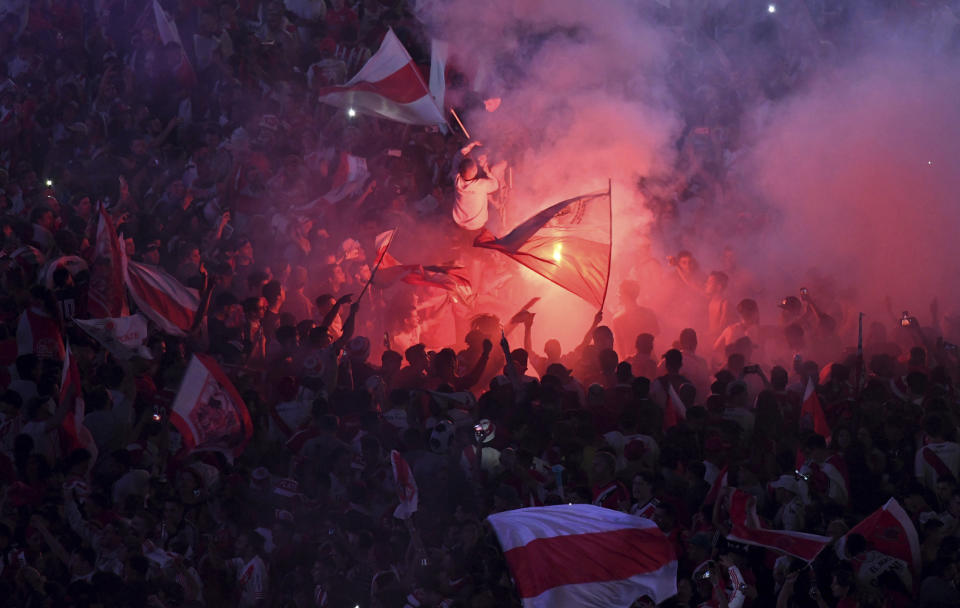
{"x": 460, "y": 122}
{"x": 606, "y": 286}
{"x": 373, "y": 273}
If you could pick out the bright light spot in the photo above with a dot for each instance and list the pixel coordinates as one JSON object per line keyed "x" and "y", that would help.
{"x": 930, "y": 163}
{"x": 351, "y": 112}
{"x": 558, "y": 252}
{"x": 49, "y": 183}
{"x": 771, "y": 8}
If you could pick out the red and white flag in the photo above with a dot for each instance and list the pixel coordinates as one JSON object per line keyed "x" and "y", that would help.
{"x": 721, "y": 482}
{"x": 583, "y": 555}
{"x": 890, "y": 531}
{"x": 162, "y": 298}
{"x": 349, "y": 176}
{"x": 390, "y": 86}
{"x": 567, "y": 243}
{"x": 407, "y": 491}
{"x": 747, "y": 529}
{"x": 675, "y": 410}
{"x": 811, "y": 408}
{"x": 38, "y": 333}
{"x": 208, "y": 411}
{"x": 124, "y": 337}
{"x": 443, "y": 276}
{"x": 106, "y": 297}
{"x": 75, "y": 435}
{"x": 167, "y": 32}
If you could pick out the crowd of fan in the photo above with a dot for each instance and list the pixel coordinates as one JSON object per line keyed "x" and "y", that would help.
{"x": 208, "y": 170}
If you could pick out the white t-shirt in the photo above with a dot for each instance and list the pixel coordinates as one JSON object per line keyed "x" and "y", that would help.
{"x": 470, "y": 207}
{"x": 251, "y": 579}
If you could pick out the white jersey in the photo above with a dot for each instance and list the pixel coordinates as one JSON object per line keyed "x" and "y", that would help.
{"x": 470, "y": 207}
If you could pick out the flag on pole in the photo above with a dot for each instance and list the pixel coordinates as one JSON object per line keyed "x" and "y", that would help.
{"x": 675, "y": 410}
{"x": 890, "y": 531}
{"x": 585, "y": 556}
{"x": 162, "y": 298}
{"x": 407, "y": 491}
{"x": 567, "y": 243}
{"x": 208, "y": 411}
{"x": 105, "y": 296}
{"x": 167, "y": 32}
{"x": 747, "y": 529}
{"x": 124, "y": 337}
{"x": 390, "y": 86}
{"x": 811, "y": 408}
{"x": 443, "y": 276}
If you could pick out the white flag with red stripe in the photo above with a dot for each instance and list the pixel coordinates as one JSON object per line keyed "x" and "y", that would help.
{"x": 890, "y": 531}
{"x": 582, "y": 555}
{"x": 105, "y": 297}
{"x": 208, "y": 411}
{"x": 407, "y": 491}
{"x": 390, "y": 86}
{"x": 124, "y": 337}
{"x": 722, "y": 481}
{"x": 167, "y": 32}
{"x": 675, "y": 410}
{"x": 747, "y": 529}
{"x": 813, "y": 411}
{"x": 349, "y": 176}
{"x": 162, "y": 298}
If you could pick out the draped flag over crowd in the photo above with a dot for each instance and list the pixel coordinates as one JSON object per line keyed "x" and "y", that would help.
{"x": 208, "y": 411}
{"x": 890, "y": 531}
{"x": 105, "y": 297}
{"x": 162, "y": 298}
{"x": 585, "y": 556}
{"x": 390, "y": 86}
{"x": 407, "y": 492}
{"x": 748, "y": 530}
{"x": 568, "y": 243}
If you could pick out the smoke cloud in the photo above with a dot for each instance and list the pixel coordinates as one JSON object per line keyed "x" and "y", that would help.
{"x": 834, "y": 165}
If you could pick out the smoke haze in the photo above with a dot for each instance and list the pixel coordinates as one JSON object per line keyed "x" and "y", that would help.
{"x": 842, "y": 172}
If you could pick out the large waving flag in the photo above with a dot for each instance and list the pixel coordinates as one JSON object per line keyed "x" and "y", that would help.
{"x": 812, "y": 409}
{"x": 890, "y": 531}
{"x": 162, "y": 298}
{"x": 105, "y": 297}
{"x": 747, "y": 529}
{"x": 585, "y": 556}
{"x": 407, "y": 491}
{"x": 390, "y": 86}
{"x": 208, "y": 411}
{"x": 568, "y": 243}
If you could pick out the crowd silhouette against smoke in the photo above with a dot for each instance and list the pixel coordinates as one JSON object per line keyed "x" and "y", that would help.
{"x": 237, "y": 295}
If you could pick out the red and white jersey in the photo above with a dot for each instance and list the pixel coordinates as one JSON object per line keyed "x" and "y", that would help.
{"x": 252, "y": 580}
{"x": 936, "y": 460}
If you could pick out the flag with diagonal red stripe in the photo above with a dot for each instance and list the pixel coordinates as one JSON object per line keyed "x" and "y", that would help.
{"x": 585, "y": 556}
{"x": 390, "y": 86}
